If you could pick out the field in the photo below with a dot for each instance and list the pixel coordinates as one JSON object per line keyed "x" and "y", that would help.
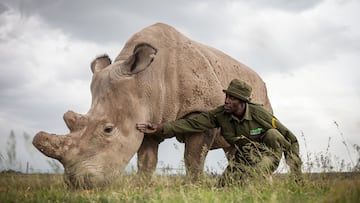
{"x": 332, "y": 185}
{"x": 322, "y": 187}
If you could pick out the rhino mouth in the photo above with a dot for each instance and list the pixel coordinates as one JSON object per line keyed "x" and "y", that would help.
{"x": 85, "y": 179}
{"x": 89, "y": 174}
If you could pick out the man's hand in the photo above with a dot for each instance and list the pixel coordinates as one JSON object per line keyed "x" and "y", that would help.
{"x": 149, "y": 128}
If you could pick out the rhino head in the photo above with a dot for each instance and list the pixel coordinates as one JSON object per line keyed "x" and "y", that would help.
{"x": 101, "y": 142}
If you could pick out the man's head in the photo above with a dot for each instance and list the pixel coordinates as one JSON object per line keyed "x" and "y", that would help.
{"x": 237, "y": 95}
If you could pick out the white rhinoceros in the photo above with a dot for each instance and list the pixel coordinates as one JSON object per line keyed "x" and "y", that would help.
{"x": 160, "y": 75}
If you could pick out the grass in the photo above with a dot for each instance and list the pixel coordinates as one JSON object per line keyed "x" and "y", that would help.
{"x": 322, "y": 187}
{"x": 331, "y": 185}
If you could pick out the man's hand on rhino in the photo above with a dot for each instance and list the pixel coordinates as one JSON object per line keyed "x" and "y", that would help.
{"x": 149, "y": 128}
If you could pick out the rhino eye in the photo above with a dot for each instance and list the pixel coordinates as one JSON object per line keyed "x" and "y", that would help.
{"x": 108, "y": 128}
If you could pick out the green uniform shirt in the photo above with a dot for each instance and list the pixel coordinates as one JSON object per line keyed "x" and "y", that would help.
{"x": 256, "y": 121}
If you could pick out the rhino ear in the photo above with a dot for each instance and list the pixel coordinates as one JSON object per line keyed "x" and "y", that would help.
{"x": 100, "y": 63}
{"x": 143, "y": 55}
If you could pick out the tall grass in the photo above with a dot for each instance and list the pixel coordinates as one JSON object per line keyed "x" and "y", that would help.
{"x": 325, "y": 161}
{"x": 131, "y": 188}
{"x": 344, "y": 142}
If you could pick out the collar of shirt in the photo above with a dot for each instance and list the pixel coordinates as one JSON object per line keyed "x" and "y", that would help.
{"x": 247, "y": 115}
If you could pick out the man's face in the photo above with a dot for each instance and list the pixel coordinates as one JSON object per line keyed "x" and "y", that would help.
{"x": 232, "y": 104}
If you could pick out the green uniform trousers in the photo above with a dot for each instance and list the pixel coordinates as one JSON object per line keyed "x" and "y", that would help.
{"x": 255, "y": 159}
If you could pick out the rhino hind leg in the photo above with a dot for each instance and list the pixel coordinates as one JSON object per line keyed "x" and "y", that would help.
{"x": 197, "y": 146}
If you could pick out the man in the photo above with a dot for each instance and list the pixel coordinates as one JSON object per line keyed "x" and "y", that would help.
{"x": 259, "y": 138}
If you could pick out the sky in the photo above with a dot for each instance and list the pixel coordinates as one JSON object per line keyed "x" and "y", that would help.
{"x": 307, "y": 52}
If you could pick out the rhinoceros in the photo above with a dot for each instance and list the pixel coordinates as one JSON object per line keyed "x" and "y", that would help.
{"x": 160, "y": 75}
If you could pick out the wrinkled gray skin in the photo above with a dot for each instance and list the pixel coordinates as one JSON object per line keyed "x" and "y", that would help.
{"x": 160, "y": 75}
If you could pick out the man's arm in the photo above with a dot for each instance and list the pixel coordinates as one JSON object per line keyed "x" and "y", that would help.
{"x": 198, "y": 123}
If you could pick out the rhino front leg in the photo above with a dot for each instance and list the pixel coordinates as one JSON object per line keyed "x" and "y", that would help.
{"x": 148, "y": 156}
{"x": 196, "y": 148}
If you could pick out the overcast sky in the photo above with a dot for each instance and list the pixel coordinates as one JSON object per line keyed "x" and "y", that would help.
{"x": 307, "y": 52}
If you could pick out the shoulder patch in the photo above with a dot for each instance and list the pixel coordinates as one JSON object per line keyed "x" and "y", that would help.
{"x": 273, "y": 122}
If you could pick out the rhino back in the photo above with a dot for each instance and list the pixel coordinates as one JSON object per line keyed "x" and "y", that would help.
{"x": 193, "y": 74}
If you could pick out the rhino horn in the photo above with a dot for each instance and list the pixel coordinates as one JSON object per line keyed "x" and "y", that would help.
{"x": 74, "y": 121}
{"x": 100, "y": 63}
{"x": 50, "y": 144}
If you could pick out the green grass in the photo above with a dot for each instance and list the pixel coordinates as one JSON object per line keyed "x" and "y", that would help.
{"x": 325, "y": 187}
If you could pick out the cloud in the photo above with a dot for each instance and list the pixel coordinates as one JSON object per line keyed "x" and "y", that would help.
{"x": 283, "y": 41}
{"x": 284, "y": 5}
{"x": 268, "y": 36}
{"x": 96, "y": 20}
{"x": 41, "y": 68}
